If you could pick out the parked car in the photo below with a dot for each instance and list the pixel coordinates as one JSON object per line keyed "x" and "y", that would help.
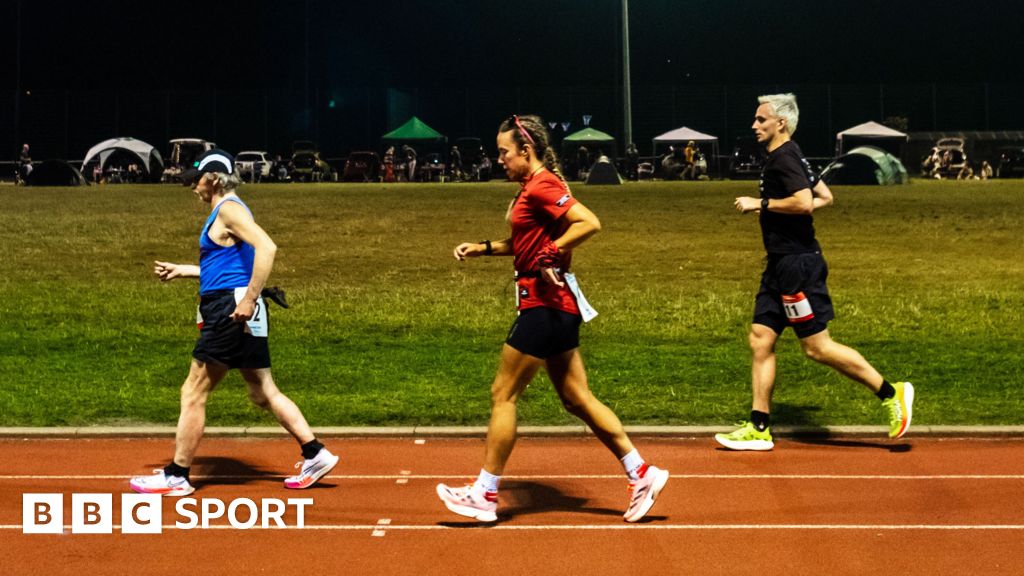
{"x": 182, "y": 154}
{"x": 361, "y": 166}
{"x": 306, "y": 164}
{"x": 253, "y": 164}
{"x": 946, "y": 159}
{"x": 747, "y": 160}
{"x": 1011, "y": 162}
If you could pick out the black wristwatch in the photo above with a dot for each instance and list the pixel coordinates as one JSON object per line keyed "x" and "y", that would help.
{"x": 488, "y": 249}
{"x": 764, "y": 204}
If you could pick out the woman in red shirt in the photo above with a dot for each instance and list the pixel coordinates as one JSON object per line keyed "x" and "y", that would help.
{"x": 547, "y": 224}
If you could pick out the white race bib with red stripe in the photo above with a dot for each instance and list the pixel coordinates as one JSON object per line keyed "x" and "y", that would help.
{"x": 797, "y": 308}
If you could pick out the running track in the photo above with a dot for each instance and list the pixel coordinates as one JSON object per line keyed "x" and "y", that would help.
{"x": 848, "y": 506}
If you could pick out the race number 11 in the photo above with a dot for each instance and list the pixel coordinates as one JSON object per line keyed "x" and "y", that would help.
{"x": 797, "y": 308}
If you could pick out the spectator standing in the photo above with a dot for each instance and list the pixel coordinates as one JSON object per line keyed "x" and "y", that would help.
{"x": 410, "y": 162}
{"x": 632, "y": 162}
{"x": 24, "y": 163}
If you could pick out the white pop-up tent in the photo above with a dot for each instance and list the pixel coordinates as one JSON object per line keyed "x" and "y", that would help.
{"x": 683, "y": 135}
{"x": 871, "y": 134}
{"x": 146, "y": 154}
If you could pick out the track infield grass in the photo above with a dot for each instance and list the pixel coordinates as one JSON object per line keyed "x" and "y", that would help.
{"x": 386, "y": 328}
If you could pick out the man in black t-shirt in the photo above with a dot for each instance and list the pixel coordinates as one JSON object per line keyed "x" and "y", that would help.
{"x": 793, "y": 290}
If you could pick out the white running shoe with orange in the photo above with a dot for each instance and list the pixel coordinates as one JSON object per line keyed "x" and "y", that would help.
{"x": 466, "y": 502}
{"x": 159, "y": 483}
{"x": 312, "y": 470}
{"x": 644, "y": 491}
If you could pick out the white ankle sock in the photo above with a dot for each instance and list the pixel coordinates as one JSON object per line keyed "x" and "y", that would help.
{"x": 486, "y": 482}
{"x": 632, "y": 463}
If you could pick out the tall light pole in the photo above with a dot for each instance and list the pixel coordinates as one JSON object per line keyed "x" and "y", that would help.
{"x": 305, "y": 93}
{"x": 627, "y": 97}
{"x": 17, "y": 77}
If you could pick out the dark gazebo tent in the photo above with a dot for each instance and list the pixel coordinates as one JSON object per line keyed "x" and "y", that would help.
{"x": 871, "y": 134}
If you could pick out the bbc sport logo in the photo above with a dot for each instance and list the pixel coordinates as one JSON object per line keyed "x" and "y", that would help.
{"x": 144, "y": 513}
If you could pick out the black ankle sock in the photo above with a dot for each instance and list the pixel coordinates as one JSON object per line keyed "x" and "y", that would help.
{"x": 886, "y": 391}
{"x": 311, "y": 449}
{"x": 760, "y": 420}
{"x": 173, "y": 469}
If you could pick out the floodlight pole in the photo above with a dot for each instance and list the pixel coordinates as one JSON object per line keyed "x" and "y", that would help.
{"x": 307, "y": 109}
{"x": 17, "y": 78}
{"x": 627, "y": 98}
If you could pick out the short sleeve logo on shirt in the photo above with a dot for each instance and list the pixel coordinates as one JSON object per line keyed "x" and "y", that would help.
{"x": 561, "y": 201}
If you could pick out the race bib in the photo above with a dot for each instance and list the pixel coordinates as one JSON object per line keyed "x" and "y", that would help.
{"x": 797, "y": 308}
{"x": 586, "y": 310}
{"x": 257, "y": 325}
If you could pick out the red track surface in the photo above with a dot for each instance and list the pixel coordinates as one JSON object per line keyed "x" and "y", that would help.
{"x": 831, "y": 507}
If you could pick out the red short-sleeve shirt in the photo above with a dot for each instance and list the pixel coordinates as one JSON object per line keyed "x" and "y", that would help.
{"x": 536, "y": 220}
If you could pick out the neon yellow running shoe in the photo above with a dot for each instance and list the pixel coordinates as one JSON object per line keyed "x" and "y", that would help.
{"x": 900, "y": 409}
{"x": 747, "y": 437}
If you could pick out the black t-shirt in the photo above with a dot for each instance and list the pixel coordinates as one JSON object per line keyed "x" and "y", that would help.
{"x": 786, "y": 172}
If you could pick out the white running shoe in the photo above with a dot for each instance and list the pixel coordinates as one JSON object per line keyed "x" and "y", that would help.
{"x": 159, "y": 483}
{"x": 464, "y": 501}
{"x": 312, "y": 470}
{"x": 644, "y": 491}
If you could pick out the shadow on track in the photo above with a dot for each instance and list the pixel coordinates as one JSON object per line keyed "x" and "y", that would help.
{"x": 536, "y": 498}
{"x": 231, "y": 472}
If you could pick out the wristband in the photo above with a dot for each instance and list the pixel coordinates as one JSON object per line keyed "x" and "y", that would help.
{"x": 764, "y": 204}
{"x": 488, "y": 249}
{"x": 548, "y": 257}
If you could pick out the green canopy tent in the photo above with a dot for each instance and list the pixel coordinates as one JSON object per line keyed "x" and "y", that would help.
{"x": 595, "y": 141}
{"x": 414, "y": 130}
{"x": 865, "y": 165}
{"x": 429, "y": 145}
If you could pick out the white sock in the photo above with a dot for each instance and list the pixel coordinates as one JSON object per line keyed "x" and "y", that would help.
{"x": 486, "y": 482}
{"x": 632, "y": 463}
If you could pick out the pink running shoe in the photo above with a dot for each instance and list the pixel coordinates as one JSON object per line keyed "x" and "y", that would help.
{"x": 312, "y": 470}
{"x": 158, "y": 483}
{"x": 464, "y": 501}
{"x": 644, "y": 491}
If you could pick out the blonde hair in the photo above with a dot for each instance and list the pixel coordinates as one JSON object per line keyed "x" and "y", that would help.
{"x": 784, "y": 106}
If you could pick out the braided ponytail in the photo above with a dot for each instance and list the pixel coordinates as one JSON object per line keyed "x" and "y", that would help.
{"x": 531, "y": 130}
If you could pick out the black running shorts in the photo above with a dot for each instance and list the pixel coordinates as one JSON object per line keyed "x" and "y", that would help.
{"x": 793, "y": 293}
{"x": 544, "y": 332}
{"x": 222, "y": 341}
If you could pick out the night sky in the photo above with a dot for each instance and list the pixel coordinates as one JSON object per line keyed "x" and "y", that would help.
{"x": 123, "y": 68}
{"x": 535, "y": 42}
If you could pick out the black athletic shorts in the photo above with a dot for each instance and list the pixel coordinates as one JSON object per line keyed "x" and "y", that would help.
{"x": 222, "y": 341}
{"x": 793, "y": 293}
{"x": 544, "y": 332}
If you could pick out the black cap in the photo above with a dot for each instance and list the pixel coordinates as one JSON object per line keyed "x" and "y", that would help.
{"x": 215, "y": 160}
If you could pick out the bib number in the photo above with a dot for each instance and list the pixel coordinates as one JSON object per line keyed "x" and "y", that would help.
{"x": 257, "y": 325}
{"x": 797, "y": 308}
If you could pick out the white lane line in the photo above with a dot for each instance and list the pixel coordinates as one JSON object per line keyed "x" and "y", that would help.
{"x": 544, "y": 476}
{"x": 570, "y": 527}
{"x": 404, "y": 476}
{"x": 378, "y": 530}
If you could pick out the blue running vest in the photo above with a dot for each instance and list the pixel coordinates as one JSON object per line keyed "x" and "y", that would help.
{"x": 223, "y": 267}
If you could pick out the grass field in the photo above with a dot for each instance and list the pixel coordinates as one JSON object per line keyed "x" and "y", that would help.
{"x": 386, "y": 328}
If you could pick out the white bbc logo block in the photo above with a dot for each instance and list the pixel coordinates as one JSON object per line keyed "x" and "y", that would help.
{"x": 42, "y": 513}
{"x": 142, "y": 513}
{"x": 92, "y": 513}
